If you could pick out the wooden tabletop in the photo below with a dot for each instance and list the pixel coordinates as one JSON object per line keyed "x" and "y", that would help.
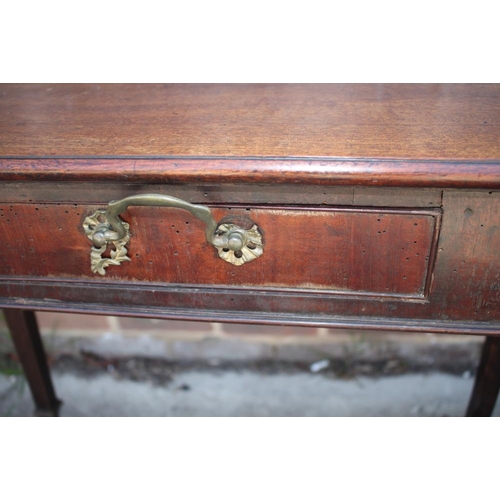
{"x": 414, "y": 122}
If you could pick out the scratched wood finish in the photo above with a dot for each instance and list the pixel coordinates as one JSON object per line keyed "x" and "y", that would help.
{"x": 246, "y": 194}
{"x": 384, "y": 252}
{"x": 279, "y": 172}
{"x": 433, "y": 121}
{"x": 467, "y": 273}
{"x": 337, "y": 145}
{"x": 308, "y": 146}
{"x": 465, "y": 285}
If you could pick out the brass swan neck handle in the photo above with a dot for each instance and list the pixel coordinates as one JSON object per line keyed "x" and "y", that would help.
{"x": 234, "y": 244}
{"x": 115, "y": 208}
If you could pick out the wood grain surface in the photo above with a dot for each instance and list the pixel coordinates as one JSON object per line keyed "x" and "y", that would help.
{"x": 381, "y": 252}
{"x": 202, "y": 172}
{"x": 311, "y": 147}
{"x": 464, "y": 286}
{"x": 328, "y": 172}
{"x": 431, "y": 121}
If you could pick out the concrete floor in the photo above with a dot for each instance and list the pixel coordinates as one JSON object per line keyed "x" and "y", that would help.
{"x": 247, "y": 393}
{"x": 258, "y": 372}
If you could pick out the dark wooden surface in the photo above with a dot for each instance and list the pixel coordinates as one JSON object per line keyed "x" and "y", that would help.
{"x": 487, "y": 383}
{"x": 28, "y": 343}
{"x": 380, "y": 252}
{"x": 447, "y": 136}
{"x": 433, "y": 121}
{"x": 203, "y": 172}
{"x": 80, "y": 121}
{"x": 48, "y": 266}
{"x": 350, "y": 150}
{"x": 99, "y": 193}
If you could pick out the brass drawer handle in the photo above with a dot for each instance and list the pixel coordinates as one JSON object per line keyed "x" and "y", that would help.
{"x": 233, "y": 243}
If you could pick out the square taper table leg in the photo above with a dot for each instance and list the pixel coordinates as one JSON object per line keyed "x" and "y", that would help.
{"x": 28, "y": 343}
{"x": 487, "y": 383}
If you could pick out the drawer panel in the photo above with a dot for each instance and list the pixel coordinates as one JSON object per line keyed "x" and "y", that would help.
{"x": 353, "y": 251}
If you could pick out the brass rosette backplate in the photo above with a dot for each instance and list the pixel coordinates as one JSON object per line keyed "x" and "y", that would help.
{"x": 240, "y": 245}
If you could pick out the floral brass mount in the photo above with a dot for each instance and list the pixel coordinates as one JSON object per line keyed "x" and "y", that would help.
{"x": 234, "y": 244}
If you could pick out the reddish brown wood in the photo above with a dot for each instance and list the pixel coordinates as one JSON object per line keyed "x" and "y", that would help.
{"x": 67, "y": 149}
{"x": 316, "y": 172}
{"x": 167, "y": 310}
{"x": 432, "y": 121}
{"x": 467, "y": 272}
{"x": 29, "y": 347}
{"x": 487, "y": 383}
{"x": 465, "y": 279}
{"x": 212, "y": 194}
{"x": 381, "y": 252}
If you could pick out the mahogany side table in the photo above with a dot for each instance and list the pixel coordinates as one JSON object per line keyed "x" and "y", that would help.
{"x": 353, "y": 206}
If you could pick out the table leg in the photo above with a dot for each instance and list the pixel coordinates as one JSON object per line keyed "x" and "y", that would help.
{"x": 487, "y": 383}
{"x": 28, "y": 343}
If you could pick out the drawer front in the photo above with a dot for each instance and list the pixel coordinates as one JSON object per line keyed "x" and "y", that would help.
{"x": 347, "y": 251}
